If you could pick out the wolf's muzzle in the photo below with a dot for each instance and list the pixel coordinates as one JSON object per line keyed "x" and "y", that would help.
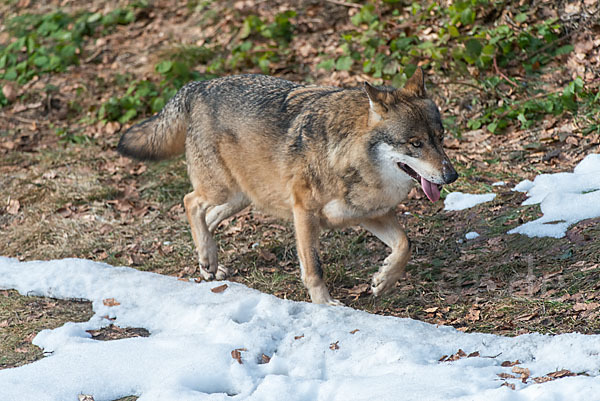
{"x": 449, "y": 174}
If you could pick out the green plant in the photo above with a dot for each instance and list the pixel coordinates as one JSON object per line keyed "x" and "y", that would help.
{"x": 254, "y": 49}
{"x": 51, "y": 42}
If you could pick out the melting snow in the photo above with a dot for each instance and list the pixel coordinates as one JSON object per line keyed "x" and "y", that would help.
{"x": 461, "y": 201}
{"x": 564, "y": 198}
{"x": 471, "y": 235}
{"x": 188, "y": 355}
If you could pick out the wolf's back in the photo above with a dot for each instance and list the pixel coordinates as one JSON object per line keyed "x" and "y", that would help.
{"x": 163, "y": 135}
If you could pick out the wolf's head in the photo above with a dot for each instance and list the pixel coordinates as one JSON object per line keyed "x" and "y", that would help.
{"x": 407, "y": 134}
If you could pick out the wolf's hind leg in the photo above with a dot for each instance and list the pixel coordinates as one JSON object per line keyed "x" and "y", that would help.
{"x": 388, "y": 229}
{"x": 220, "y": 212}
{"x": 195, "y": 207}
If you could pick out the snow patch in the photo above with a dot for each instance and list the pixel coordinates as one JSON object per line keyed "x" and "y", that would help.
{"x": 193, "y": 331}
{"x": 498, "y": 184}
{"x": 471, "y": 235}
{"x": 461, "y": 201}
{"x": 564, "y": 198}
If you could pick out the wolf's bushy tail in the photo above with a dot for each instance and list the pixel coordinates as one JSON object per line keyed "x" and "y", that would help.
{"x": 161, "y": 136}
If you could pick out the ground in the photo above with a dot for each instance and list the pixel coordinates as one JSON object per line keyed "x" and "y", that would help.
{"x": 517, "y": 85}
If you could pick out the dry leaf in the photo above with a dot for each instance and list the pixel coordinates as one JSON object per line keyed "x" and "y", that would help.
{"x": 561, "y": 373}
{"x": 459, "y": 354}
{"x": 298, "y": 337}
{"x": 581, "y": 306}
{"x": 354, "y": 331}
{"x": 359, "y": 290}
{"x": 542, "y": 379}
{"x": 266, "y": 255}
{"x": 431, "y": 310}
{"x": 524, "y": 372}
{"x": 473, "y": 354}
{"x": 110, "y": 302}
{"x": 507, "y": 364}
{"x": 219, "y": 289}
{"x": 474, "y": 314}
{"x": 506, "y": 376}
{"x": 9, "y": 90}
{"x": 139, "y": 169}
{"x": 509, "y": 385}
{"x": 112, "y": 127}
{"x": 237, "y": 355}
{"x": 334, "y": 346}
{"x": 13, "y": 206}
{"x": 265, "y": 359}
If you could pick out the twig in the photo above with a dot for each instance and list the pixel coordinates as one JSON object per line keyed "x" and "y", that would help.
{"x": 502, "y": 74}
{"x": 343, "y": 3}
{"x": 94, "y": 55}
{"x": 546, "y": 47}
{"x": 462, "y": 83}
{"x": 19, "y": 119}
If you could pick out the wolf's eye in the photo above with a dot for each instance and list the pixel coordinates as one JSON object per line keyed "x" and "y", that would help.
{"x": 417, "y": 144}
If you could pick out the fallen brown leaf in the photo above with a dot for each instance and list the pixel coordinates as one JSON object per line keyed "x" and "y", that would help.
{"x": 298, "y": 337}
{"x": 354, "y": 331}
{"x": 13, "y": 206}
{"x": 524, "y": 372}
{"x": 506, "y": 376}
{"x": 581, "y": 306}
{"x": 110, "y": 302}
{"x": 561, "y": 373}
{"x": 10, "y": 92}
{"x": 266, "y": 255}
{"x": 334, "y": 346}
{"x": 112, "y": 127}
{"x": 473, "y": 314}
{"x": 237, "y": 355}
{"x": 455, "y": 357}
{"x": 509, "y": 363}
{"x": 542, "y": 379}
{"x": 265, "y": 359}
{"x": 509, "y": 385}
{"x": 219, "y": 289}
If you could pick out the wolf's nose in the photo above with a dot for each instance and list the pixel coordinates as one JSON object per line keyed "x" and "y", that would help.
{"x": 450, "y": 175}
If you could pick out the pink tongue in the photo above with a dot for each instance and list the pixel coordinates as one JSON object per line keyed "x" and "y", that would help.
{"x": 431, "y": 190}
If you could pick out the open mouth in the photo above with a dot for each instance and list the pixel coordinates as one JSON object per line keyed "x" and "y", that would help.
{"x": 431, "y": 190}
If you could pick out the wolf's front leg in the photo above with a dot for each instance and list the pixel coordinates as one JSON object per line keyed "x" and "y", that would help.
{"x": 307, "y": 240}
{"x": 388, "y": 229}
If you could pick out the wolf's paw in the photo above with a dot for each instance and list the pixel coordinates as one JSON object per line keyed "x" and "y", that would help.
{"x": 222, "y": 272}
{"x": 320, "y": 295}
{"x": 335, "y": 302}
{"x": 206, "y": 273}
{"x": 383, "y": 283}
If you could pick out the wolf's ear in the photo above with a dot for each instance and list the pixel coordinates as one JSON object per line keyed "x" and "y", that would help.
{"x": 416, "y": 84}
{"x": 377, "y": 99}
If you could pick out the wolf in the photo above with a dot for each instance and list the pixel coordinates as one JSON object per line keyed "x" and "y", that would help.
{"x": 324, "y": 157}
